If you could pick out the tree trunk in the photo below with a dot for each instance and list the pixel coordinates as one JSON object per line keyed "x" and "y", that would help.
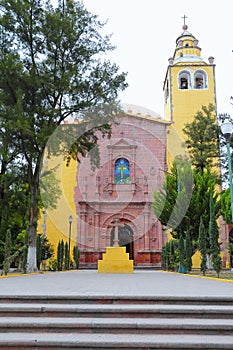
{"x": 31, "y": 257}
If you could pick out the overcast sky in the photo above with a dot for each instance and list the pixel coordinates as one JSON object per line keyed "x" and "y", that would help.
{"x": 145, "y": 32}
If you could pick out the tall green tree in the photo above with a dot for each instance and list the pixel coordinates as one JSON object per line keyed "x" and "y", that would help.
{"x": 172, "y": 201}
{"x": 7, "y": 251}
{"x": 170, "y": 255}
{"x": 53, "y": 67}
{"x": 214, "y": 240}
{"x": 195, "y": 188}
{"x": 66, "y": 257}
{"x": 188, "y": 252}
{"x": 226, "y": 206}
{"x": 202, "y": 246}
{"x": 202, "y": 138}
{"x": 13, "y": 197}
{"x": 76, "y": 256}
{"x": 181, "y": 254}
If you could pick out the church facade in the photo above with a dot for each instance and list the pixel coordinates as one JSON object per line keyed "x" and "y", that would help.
{"x": 120, "y": 193}
{"x": 133, "y": 165}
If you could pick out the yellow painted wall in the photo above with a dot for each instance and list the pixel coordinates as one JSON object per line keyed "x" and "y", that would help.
{"x": 57, "y": 225}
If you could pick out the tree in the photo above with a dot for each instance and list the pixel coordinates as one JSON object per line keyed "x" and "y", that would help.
{"x": 170, "y": 255}
{"x": 226, "y": 206}
{"x": 182, "y": 211}
{"x": 13, "y": 199}
{"x": 62, "y": 253}
{"x": 44, "y": 249}
{"x": 66, "y": 257}
{"x": 51, "y": 69}
{"x": 76, "y": 255}
{"x": 214, "y": 240}
{"x": 202, "y": 246}
{"x": 202, "y": 136}
{"x": 205, "y": 185}
{"x": 181, "y": 254}
{"x": 172, "y": 201}
{"x": 7, "y": 252}
{"x": 38, "y": 251}
{"x": 59, "y": 258}
{"x": 188, "y": 252}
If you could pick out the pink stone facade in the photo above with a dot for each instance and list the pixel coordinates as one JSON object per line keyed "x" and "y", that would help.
{"x": 100, "y": 200}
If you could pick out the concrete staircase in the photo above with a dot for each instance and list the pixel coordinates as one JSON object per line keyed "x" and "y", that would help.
{"x": 108, "y": 322}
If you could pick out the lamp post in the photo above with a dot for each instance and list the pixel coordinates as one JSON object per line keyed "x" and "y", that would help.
{"x": 70, "y": 219}
{"x": 227, "y": 129}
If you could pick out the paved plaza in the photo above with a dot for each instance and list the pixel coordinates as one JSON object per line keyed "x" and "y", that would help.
{"x": 90, "y": 282}
{"x": 148, "y": 309}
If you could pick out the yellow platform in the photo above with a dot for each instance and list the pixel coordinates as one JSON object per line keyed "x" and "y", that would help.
{"x": 115, "y": 260}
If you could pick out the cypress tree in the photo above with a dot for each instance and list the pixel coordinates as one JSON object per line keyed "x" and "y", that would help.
{"x": 182, "y": 254}
{"x": 7, "y": 252}
{"x": 62, "y": 253}
{"x": 188, "y": 252}
{"x": 164, "y": 258}
{"x": 202, "y": 246}
{"x": 66, "y": 261}
{"x": 76, "y": 255}
{"x": 172, "y": 255}
{"x": 59, "y": 265}
{"x": 38, "y": 251}
{"x": 214, "y": 240}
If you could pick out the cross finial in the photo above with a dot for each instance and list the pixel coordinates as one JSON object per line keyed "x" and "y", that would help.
{"x": 185, "y": 27}
{"x": 184, "y": 17}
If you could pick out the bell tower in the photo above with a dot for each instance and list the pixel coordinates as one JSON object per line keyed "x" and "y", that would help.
{"x": 189, "y": 84}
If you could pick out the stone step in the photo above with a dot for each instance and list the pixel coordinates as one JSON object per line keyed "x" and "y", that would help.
{"x": 22, "y": 341}
{"x": 103, "y": 322}
{"x": 110, "y": 299}
{"x": 116, "y": 310}
{"x": 116, "y": 325}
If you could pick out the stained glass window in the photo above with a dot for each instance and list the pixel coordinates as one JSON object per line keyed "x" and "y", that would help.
{"x": 122, "y": 171}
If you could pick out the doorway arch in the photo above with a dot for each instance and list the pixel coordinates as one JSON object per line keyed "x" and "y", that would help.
{"x": 126, "y": 239}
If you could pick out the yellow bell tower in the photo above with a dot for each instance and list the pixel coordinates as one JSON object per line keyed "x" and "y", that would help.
{"x": 189, "y": 84}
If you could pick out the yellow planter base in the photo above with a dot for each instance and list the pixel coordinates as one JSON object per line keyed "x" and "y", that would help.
{"x": 115, "y": 260}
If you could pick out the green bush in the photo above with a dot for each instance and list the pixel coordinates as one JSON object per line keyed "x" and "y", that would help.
{"x": 170, "y": 255}
{"x": 76, "y": 255}
{"x": 51, "y": 264}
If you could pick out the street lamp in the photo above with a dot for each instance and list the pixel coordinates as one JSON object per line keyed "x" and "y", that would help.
{"x": 227, "y": 129}
{"x": 70, "y": 219}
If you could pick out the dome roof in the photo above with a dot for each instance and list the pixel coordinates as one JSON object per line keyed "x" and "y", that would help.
{"x": 139, "y": 111}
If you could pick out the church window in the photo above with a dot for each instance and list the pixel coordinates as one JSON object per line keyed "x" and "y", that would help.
{"x": 122, "y": 171}
{"x": 184, "y": 80}
{"x": 200, "y": 80}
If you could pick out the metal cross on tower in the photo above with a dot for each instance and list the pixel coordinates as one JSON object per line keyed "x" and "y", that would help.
{"x": 184, "y": 18}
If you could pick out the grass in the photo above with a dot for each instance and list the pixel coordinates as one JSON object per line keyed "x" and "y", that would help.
{"x": 224, "y": 274}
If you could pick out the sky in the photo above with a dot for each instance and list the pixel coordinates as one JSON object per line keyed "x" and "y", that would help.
{"x": 145, "y": 33}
